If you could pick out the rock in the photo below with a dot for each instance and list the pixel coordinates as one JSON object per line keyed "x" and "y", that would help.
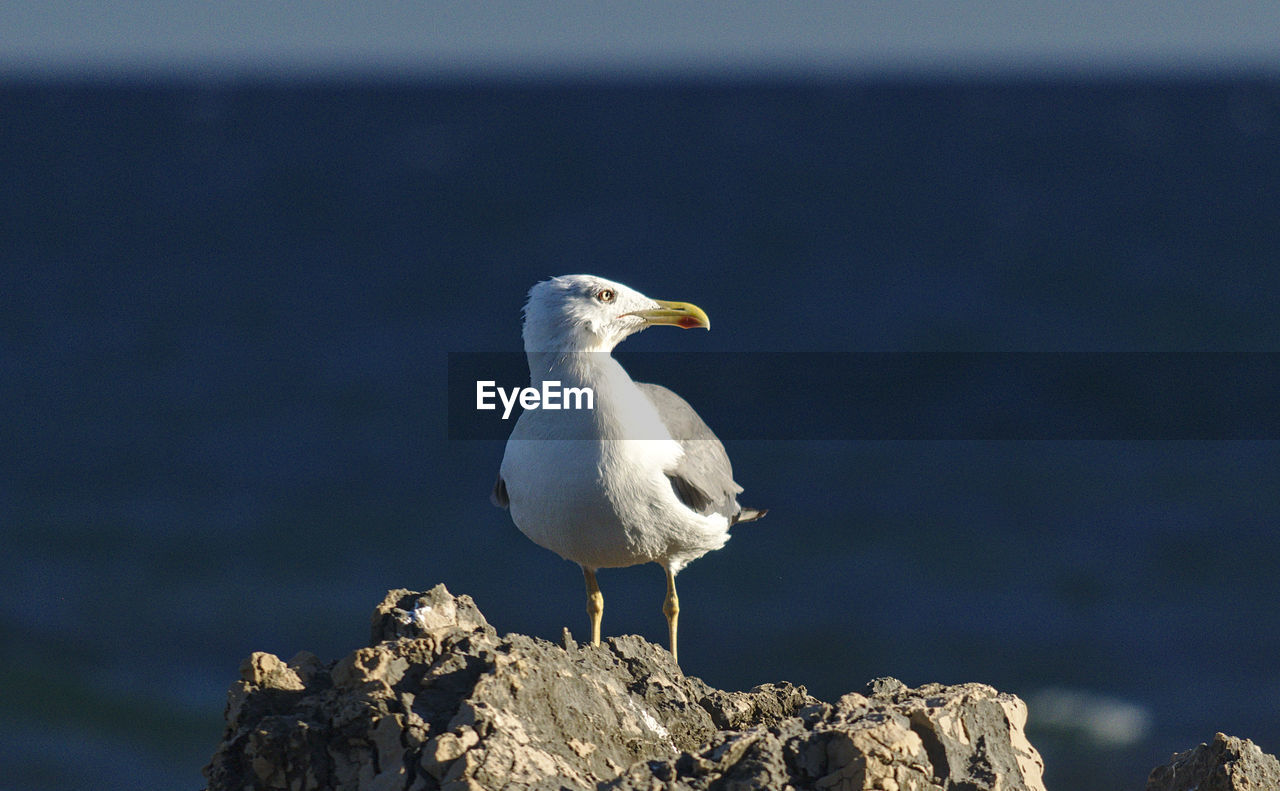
{"x": 1228, "y": 764}
{"x": 439, "y": 700}
{"x": 936, "y": 737}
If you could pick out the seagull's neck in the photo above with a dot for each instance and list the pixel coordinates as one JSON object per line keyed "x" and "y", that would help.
{"x": 596, "y": 369}
{"x": 621, "y": 410}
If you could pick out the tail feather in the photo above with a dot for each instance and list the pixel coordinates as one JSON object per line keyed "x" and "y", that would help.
{"x": 749, "y": 515}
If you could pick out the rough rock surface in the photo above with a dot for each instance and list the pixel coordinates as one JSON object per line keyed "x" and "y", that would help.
{"x": 1228, "y": 764}
{"x": 439, "y": 700}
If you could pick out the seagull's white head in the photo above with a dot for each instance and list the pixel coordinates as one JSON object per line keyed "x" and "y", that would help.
{"x": 585, "y": 313}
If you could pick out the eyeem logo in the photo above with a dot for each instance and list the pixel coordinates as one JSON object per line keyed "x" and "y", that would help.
{"x": 550, "y": 396}
{"x": 909, "y": 395}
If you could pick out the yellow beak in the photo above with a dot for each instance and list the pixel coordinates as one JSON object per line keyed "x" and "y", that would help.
{"x": 679, "y": 314}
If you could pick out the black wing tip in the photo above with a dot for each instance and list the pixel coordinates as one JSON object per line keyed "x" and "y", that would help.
{"x": 499, "y": 494}
{"x": 750, "y": 515}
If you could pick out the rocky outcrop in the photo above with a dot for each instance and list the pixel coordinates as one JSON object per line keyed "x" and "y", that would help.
{"x": 439, "y": 700}
{"x": 1228, "y": 764}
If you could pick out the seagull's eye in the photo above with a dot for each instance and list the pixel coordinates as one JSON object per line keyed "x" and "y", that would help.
{"x": 606, "y": 295}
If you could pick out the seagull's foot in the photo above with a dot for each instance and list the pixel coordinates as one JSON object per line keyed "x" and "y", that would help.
{"x": 595, "y": 604}
{"x": 671, "y": 609}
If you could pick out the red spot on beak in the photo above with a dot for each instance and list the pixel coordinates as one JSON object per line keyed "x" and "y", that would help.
{"x": 688, "y": 323}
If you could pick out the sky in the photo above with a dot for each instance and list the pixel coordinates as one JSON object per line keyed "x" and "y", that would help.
{"x": 552, "y": 37}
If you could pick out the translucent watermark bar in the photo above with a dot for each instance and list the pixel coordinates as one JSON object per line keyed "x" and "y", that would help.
{"x": 928, "y": 396}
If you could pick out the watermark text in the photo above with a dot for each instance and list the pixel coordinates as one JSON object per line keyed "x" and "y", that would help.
{"x": 550, "y": 396}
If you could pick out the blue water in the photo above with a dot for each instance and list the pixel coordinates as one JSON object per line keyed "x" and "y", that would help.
{"x": 225, "y": 317}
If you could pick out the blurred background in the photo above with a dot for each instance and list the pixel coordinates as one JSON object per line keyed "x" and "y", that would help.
{"x": 239, "y": 244}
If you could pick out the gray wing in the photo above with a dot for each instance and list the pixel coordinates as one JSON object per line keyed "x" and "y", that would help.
{"x": 703, "y": 480}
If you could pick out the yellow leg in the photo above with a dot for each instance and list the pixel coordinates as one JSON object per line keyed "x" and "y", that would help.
{"x": 671, "y": 609}
{"x": 595, "y": 604}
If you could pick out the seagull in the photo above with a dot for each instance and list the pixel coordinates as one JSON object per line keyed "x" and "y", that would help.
{"x": 636, "y": 478}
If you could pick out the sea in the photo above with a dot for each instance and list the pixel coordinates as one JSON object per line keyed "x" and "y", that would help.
{"x": 229, "y": 306}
